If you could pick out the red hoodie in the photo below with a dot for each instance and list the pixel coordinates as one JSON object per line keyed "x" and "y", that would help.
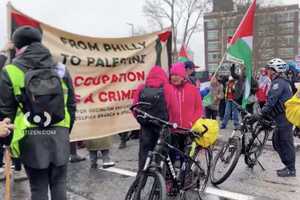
{"x": 156, "y": 78}
{"x": 186, "y": 104}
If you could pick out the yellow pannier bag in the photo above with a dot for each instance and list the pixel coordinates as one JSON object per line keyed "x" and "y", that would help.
{"x": 211, "y": 134}
{"x": 292, "y": 109}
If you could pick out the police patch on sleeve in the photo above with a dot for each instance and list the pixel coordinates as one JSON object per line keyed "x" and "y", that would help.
{"x": 275, "y": 86}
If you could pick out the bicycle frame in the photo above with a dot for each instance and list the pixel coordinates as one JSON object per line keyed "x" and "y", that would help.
{"x": 158, "y": 159}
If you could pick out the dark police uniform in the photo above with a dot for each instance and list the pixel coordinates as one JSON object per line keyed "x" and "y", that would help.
{"x": 283, "y": 141}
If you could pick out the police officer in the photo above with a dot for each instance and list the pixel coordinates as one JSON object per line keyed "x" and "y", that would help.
{"x": 45, "y": 156}
{"x": 282, "y": 137}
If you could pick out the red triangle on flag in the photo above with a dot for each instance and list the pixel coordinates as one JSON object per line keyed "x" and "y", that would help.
{"x": 183, "y": 52}
{"x": 22, "y": 20}
{"x": 245, "y": 28}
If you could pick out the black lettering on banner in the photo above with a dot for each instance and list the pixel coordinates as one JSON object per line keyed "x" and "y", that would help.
{"x": 82, "y": 45}
{"x": 90, "y": 61}
{"x": 106, "y": 47}
{"x": 115, "y": 62}
{"x": 75, "y": 60}
{"x": 100, "y": 62}
{"x": 93, "y": 47}
{"x": 65, "y": 57}
{"x": 73, "y": 43}
{"x": 64, "y": 40}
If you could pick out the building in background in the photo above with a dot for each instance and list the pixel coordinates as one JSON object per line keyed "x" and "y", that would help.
{"x": 277, "y": 34}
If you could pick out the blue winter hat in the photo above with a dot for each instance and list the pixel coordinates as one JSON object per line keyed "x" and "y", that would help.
{"x": 189, "y": 65}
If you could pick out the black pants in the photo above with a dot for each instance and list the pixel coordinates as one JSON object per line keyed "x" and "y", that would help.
{"x": 210, "y": 113}
{"x": 148, "y": 139}
{"x": 261, "y": 104}
{"x": 73, "y": 148}
{"x": 123, "y": 136}
{"x": 283, "y": 143}
{"x": 53, "y": 177}
{"x": 222, "y": 107}
{"x": 179, "y": 141}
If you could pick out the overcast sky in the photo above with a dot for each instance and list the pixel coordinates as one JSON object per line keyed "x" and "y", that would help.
{"x": 103, "y": 18}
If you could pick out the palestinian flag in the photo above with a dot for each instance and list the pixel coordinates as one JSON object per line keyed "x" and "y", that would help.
{"x": 240, "y": 47}
{"x": 183, "y": 55}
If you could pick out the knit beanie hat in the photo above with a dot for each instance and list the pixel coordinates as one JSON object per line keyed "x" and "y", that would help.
{"x": 25, "y": 35}
{"x": 178, "y": 69}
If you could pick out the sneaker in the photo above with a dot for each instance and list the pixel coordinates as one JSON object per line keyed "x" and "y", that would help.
{"x": 223, "y": 127}
{"x": 286, "y": 173}
{"x": 108, "y": 164}
{"x": 281, "y": 170}
{"x": 76, "y": 158}
{"x": 122, "y": 145}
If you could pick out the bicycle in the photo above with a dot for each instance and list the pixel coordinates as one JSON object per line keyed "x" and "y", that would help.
{"x": 194, "y": 172}
{"x": 249, "y": 140}
{"x": 296, "y": 131}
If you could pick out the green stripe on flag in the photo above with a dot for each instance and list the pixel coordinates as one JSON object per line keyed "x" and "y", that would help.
{"x": 241, "y": 51}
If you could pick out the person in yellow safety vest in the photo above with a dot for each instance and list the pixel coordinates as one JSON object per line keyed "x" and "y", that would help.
{"x": 41, "y": 142}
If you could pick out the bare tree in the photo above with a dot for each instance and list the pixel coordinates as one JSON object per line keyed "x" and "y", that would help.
{"x": 184, "y": 17}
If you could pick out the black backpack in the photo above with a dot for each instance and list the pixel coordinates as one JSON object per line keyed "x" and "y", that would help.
{"x": 157, "y": 107}
{"x": 42, "y": 97}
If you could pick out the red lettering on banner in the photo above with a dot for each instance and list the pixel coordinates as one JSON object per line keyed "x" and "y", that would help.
{"x": 114, "y": 78}
{"x": 102, "y": 96}
{"x": 88, "y": 81}
{"x": 124, "y": 77}
{"x": 131, "y": 76}
{"x": 112, "y": 96}
{"x": 78, "y": 81}
{"x": 105, "y": 78}
{"x": 89, "y": 99}
{"x": 119, "y": 95}
{"x": 126, "y": 94}
{"x": 140, "y": 76}
{"x": 77, "y": 98}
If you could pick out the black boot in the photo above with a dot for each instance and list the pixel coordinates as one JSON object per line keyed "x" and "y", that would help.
{"x": 286, "y": 172}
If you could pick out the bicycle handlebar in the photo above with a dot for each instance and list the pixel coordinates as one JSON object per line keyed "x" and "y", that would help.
{"x": 263, "y": 121}
{"x": 145, "y": 115}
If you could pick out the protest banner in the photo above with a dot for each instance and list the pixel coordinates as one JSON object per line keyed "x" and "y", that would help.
{"x": 105, "y": 72}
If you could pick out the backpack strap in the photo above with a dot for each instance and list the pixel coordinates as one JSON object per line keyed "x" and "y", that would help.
{"x": 17, "y": 78}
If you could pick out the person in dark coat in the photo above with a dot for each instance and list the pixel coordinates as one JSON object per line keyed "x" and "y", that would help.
{"x": 45, "y": 156}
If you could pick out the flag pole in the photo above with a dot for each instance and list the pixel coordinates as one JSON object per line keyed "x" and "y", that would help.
{"x": 220, "y": 64}
{"x": 9, "y": 25}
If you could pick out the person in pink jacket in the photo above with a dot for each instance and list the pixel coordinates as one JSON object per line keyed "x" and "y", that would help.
{"x": 186, "y": 105}
{"x": 156, "y": 84}
{"x": 185, "y": 108}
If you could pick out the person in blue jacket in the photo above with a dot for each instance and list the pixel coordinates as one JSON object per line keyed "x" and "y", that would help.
{"x": 282, "y": 139}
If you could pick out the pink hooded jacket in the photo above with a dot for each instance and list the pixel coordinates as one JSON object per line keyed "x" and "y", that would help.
{"x": 156, "y": 78}
{"x": 186, "y": 104}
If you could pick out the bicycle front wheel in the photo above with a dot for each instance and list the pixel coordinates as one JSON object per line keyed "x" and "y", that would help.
{"x": 255, "y": 147}
{"x": 225, "y": 160}
{"x": 147, "y": 186}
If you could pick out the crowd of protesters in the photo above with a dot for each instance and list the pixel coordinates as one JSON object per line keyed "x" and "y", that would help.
{"x": 176, "y": 97}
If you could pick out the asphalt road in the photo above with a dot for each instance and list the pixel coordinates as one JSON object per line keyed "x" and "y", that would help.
{"x": 112, "y": 184}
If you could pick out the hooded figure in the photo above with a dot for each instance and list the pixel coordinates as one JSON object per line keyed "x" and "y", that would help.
{"x": 157, "y": 90}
